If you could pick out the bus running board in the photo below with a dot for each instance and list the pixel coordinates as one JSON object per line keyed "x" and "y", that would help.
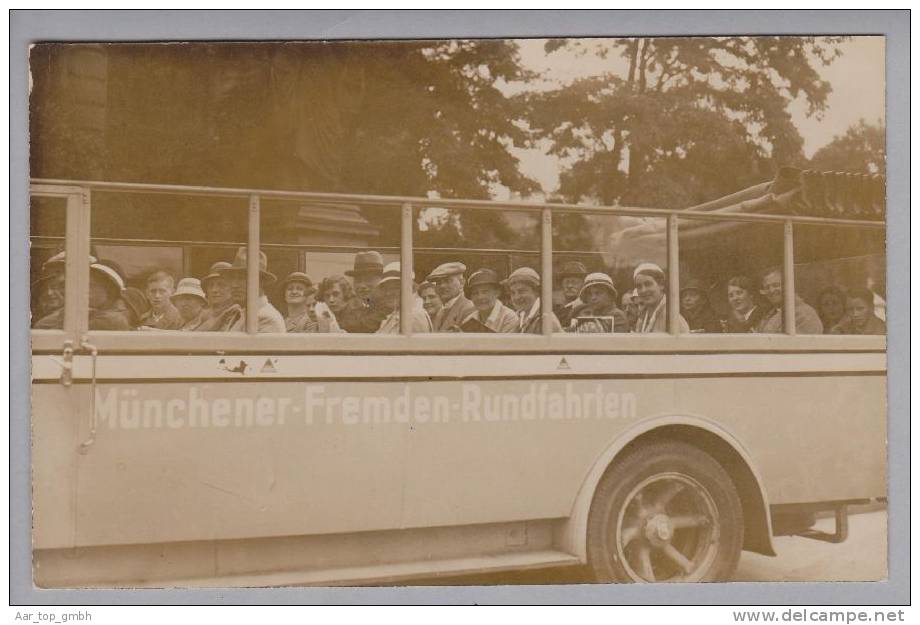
{"x": 840, "y": 531}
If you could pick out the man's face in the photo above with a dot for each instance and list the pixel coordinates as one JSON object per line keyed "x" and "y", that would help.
{"x": 523, "y": 296}
{"x": 365, "y": 283}
{"x": 218, "y": 292}
{"x": 310, "y": 301}
{"x": 691, "y": 300}
{"x": 98, "y": 291}
{"x": 858, "y": 310}
{"x": 483, "y": 297}
{"x": 52, "y": 295}
{"x": 571, "y": 285}
{"x": 430, "y": 301}
{"x": 772, "y": 288}
{"x": 158, "y": 294}
{"x": 237, "y": 281}
{"x": 188, "y": 306}
{"x": 389, "y": 295}
{"x": 448, "y": 287}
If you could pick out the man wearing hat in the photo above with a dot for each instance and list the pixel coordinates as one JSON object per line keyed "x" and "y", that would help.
{"x": 524, "y": 287}
{"x": 695, "y": 308}
{"x": 600, "y": 300}
{"x": 364, "y": 313}
{"x": 162, "y": 314}
{"x": 269, "y": 319}
{"x": 190, "y": 301}
{"x": 571, "y": 279}
{"x": 105, "y": 287}
{"x": 448, "y": 280}
{"x": 222, "y": 312}
{"x": 484, "y": 289}
{"x": 390, "y": 298}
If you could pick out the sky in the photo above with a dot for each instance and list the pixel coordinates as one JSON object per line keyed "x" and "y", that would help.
{"x": 857, "y": 80}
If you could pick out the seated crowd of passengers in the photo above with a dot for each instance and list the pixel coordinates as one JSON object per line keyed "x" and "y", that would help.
{"x": 451, "y": 299}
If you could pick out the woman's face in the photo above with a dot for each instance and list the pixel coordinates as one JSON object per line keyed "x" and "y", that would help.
{"x": 831, "y": 307}
{"x": 335, "y": 298}
{"x": 523, "y": 296}
{"x": 650, "y": 292}
{"x": 739, "y": 299}
{"x": 598, "y": 297}
{"x": 295, "y": 293}
{"x": 484, "y": 296}
{"x": 52, "y": 296}
{"x": 431, "y": 301}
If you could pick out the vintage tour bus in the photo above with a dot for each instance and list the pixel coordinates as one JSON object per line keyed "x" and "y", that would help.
{"x": 243, "y": 457}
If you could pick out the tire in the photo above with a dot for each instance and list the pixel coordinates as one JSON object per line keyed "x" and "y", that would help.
{"x": 666, "y": 511}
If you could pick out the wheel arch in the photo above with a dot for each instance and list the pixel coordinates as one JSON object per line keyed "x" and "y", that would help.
{"x": 701, "y": 433}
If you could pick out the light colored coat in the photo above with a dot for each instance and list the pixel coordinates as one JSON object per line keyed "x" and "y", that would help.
{"x": 448, "y": 317}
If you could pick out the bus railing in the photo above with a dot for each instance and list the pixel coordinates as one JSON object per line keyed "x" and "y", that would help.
{"x": 78, "y": 194}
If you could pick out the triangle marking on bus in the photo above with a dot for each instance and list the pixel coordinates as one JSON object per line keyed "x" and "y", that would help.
{"x": 269, "y": 366}
{"x": 563, "y": 364}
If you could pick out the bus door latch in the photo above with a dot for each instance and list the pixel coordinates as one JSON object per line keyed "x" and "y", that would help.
{"x": 66, "y": 364}
{"x": 93, "y": 352}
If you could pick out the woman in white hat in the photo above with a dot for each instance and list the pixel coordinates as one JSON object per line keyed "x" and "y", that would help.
{"x": 191, "y": 302}
{"x": 524, "y": 287}
{"x": 651, "y": 284}
{"x": 600, "y": 300}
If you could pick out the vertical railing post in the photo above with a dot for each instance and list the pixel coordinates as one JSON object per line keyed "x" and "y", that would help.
{"x": 546, "y": 269}
{"x": 788, "y": 279}
{"x": 252, "y": 267}
{"x": 76, "y": 264}
{"x": 673, "y": 274}
{"x": 406, "y": 300}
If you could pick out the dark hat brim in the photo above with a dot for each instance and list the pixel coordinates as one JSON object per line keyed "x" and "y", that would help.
{"x": 351, "y": 273}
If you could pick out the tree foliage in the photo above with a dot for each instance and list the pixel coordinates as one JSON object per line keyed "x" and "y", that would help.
{"x": 688, "y": 120}
{"x": 861, "y": 149}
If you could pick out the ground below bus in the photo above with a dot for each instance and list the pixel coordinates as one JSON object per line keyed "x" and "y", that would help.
{"x": 863, "y": 557}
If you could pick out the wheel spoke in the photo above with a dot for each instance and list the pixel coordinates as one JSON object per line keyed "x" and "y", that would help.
{"x": 689, "y": 520}
{"x": 669, "y": 492}
{"x": 629, "y": 534}
{"x": 645, "y": 564}
{"x": 677, "y": 558}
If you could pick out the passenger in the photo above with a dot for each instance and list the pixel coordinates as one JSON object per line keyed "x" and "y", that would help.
{"x": 269, "y": 319}
{"x": 630, "y": 305}
{"x": 430, "y": 298}
{"x": 745, "y": 315}
{"x": 448, "y": 280}
{"x": 832, "y": 307}
{"x": 366, "y": 312}
{"x": 484, "y": 289}
{"x": 860, "y": 317}
{"x": 49, "y": 290}
{"x": 162, "y": 314}
{"x": 806, "y": 319}
{"x": 222, "y": 312}
{"x": 136, "y": 305}
{"x": 695, "y": 308}
{"x": 191, "y": 303}
{"x": 524, "y": 286}
{"x": 571, "y": 279}
{"x": 105, "y": 287}
{"x": 298, "y": 292}
{"x": 650, "y": 285}
{"x": 390, "y": 298}
{"x": 600, "y": 300}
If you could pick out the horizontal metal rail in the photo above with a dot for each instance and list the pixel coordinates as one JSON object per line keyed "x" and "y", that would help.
{"x": 422, "y": 202}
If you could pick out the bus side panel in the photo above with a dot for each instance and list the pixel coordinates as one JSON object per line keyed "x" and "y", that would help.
{"x": 811, "y": 438}
{"x": 56, "y": 420}
{"x": 191, "y": 461}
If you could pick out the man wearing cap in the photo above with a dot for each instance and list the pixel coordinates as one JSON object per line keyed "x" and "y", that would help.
{"x": 448, "y": 280}
{"x": 190, "y": 301}
{"x": 162, "y": 314}
{"x": 364, "y": 313}
{"x": 484, "y": 289}
{"x": 524, "y": 286}
{"x": 222, "y": 312}
{"x": 571, "y": 279}
{"x": 269, "y": 319}
{"x": 390, "y": 298}
{"x": 600, "y": 300}
{"x": 695, "y": 308}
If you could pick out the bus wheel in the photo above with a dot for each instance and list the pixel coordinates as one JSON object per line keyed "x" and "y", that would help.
{"x": 666, "y": 512}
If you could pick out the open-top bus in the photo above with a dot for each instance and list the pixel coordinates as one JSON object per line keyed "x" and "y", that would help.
{"x": 245, "y": 459}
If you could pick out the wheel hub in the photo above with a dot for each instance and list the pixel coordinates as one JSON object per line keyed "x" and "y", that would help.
{"x": 658, "y": 528}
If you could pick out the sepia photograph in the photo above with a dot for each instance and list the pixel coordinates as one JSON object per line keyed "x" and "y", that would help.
{"x": 458, "y": 311}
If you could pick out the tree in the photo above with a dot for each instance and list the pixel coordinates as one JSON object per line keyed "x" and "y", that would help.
{"x": 688, "y": 119}
{"x": 861, "y": 149}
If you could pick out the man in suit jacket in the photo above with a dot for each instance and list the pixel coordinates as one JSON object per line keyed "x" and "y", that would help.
{"x": 448, "y": 280}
